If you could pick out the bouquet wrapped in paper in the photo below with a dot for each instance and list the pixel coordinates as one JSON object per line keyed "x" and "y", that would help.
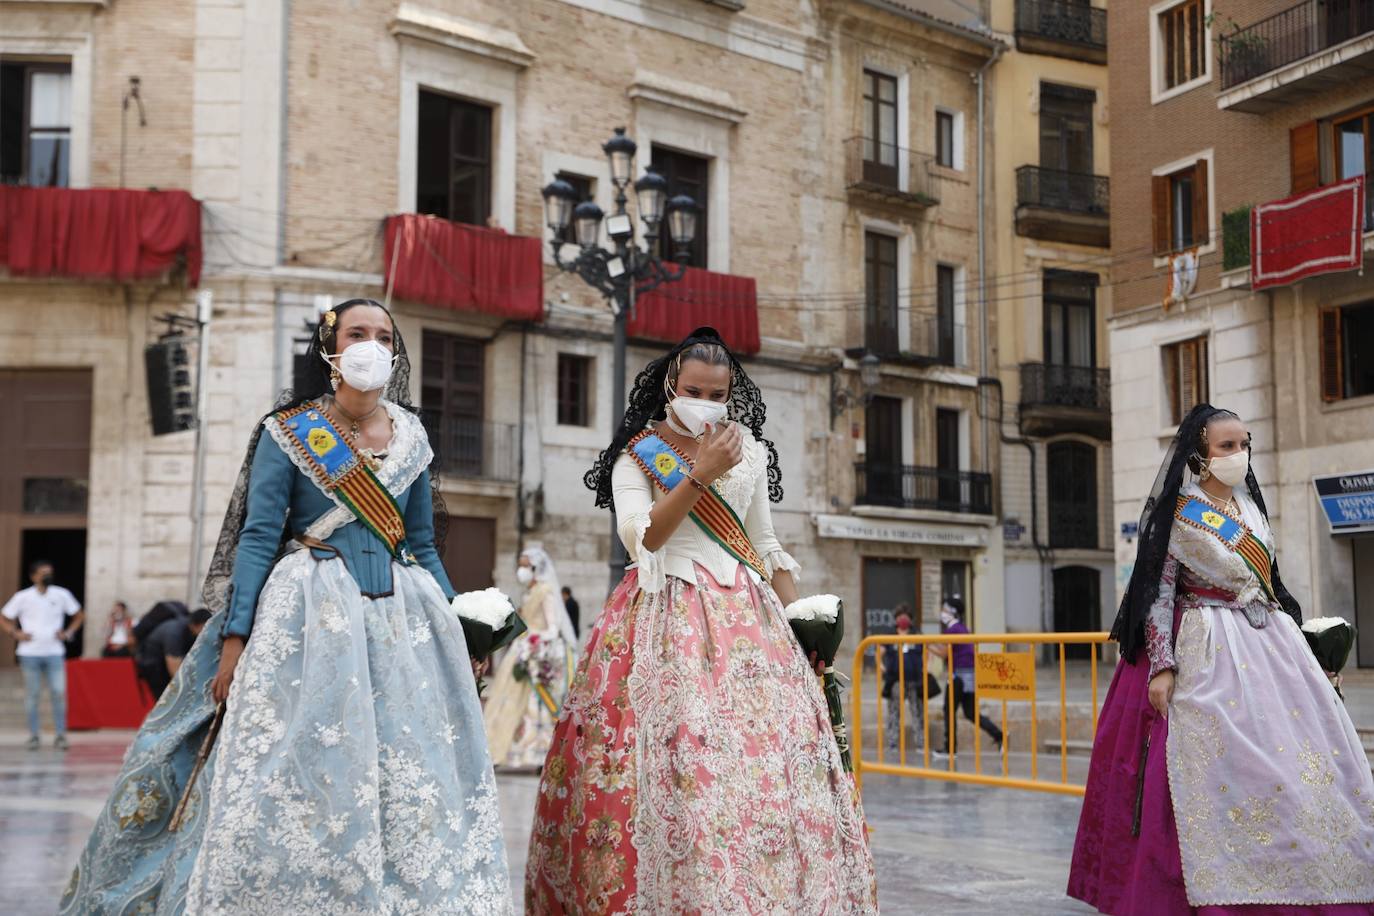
{"x": 489, "y": 621}
{"x": 818, "y": 623}
{"x": 1331, "y": 639}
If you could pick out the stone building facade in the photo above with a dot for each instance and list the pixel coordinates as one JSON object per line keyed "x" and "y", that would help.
{"x": 1270, "y": 104}
{"x": 300, "y": 128}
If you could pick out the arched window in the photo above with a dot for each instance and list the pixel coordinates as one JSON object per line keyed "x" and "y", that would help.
{"x": 1072, "y": 468}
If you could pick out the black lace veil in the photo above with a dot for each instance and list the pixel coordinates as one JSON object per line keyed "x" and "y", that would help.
{"x": 314, "y": 383}
{"x": 648, "y": 400}
{"x": 1184, "y": 457}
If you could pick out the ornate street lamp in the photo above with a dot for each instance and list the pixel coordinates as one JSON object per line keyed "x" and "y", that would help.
{"x": 625, "y": 269}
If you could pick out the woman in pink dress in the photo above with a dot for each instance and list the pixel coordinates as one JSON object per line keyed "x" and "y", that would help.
{"x": 1226, "y": 776}
{"x": 693, "y": 768}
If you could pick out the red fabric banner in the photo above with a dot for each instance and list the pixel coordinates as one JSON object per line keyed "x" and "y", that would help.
{"x": 723, "y": 301}
{"x": 1315, "y": 232}
{"x": 98, "y": 233}
{"x": 465, "y": 268}
{"x": 105, "y": 693}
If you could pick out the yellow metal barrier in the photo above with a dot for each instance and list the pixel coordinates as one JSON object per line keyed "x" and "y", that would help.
{"x": 1006, "y": 676}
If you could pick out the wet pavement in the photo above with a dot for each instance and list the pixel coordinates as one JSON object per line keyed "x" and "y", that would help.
{"x": 939, "y": 848}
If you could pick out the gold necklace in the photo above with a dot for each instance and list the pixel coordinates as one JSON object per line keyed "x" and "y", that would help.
{"x": 354, "y": 422}
{"x": 1228, "y": 506}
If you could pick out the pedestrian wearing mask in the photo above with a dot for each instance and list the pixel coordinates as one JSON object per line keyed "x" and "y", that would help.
{"x": 961, "y": 676}
{"x": 905, "y": 659}
{"x": 34, "y": 617}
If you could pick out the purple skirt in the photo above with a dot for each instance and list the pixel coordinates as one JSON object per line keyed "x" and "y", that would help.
{"x": 1143, "y": 876}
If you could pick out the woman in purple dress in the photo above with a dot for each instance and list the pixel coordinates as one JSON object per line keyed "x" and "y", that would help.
{"x": 1226, "y": 776}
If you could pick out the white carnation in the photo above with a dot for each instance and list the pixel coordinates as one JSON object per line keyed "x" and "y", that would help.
{"x": 489, "y": 606}
{"x": 818, "y": 607}
{"x": 1322, "y": 624}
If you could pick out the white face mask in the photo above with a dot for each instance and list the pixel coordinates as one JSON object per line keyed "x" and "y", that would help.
{"x": 1232, "y": 469}
{"x": 947, "y": 617}
{"x": 365, "y": 365}
{"x": 695, "y": 414}
{"x": 524, "y": 575}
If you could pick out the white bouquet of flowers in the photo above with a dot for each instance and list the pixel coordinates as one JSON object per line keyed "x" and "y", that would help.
{"x": 489, "y": 621}
{"x": 818, "y": 623}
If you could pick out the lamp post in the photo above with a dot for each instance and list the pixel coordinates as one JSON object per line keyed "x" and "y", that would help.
{"x": 842, "y": 399}
{"x": 624, "y": 270}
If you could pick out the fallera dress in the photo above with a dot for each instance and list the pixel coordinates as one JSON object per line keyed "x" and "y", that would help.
{"x": 1256, "y": 796}
{"x": 351, "y": 773}
{"x": 693, "y": 769}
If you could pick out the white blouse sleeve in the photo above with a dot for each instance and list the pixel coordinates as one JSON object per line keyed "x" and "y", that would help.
{"x": 633, "y": 497}
{"x": 758, "y": 522}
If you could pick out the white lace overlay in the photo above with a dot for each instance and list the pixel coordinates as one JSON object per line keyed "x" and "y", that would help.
{"x": 352, "y": 773}
{"x": 649, "y": 562}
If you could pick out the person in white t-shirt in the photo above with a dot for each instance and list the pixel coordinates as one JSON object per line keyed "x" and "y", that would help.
{"x": 36, "y": 618}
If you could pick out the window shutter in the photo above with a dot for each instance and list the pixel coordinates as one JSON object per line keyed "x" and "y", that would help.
{"x": 1304, "y": 161}
{"x": 1332, "y": 372}
{"x": 1200, "y": 373}
{"x": 1187, "y": 378}
{"x": 1202, "y": 222}
{"x": 1171, "y": 380}
{"x": 1159, "y": 209}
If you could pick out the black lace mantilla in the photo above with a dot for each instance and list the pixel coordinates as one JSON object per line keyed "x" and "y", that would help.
{"x": 648, "y": 401}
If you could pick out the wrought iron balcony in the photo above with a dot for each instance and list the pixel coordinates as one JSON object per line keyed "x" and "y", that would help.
{"x": 1285, "y": 41}
{"x": 1063, "y": 206}
{"x": 889, "y": 174}
{"x": 1065, "y": 399}
{"x": 905, "y": 486}
{"x": 1062, "y": 28}
{"x": 473, "y": 448}
{"x": 934, "y": 339}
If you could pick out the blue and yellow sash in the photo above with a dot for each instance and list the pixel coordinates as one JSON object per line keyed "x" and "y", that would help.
{"x": 712, "y": 514}
{"x": 1232, "y": 534}
{"x": 341, "y": 471}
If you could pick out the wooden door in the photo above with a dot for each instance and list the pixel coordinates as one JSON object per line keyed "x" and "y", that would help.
{"x": 883, "y": 470}
{"x": 44, "y": 479}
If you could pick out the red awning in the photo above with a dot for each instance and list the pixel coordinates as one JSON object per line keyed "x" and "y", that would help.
{"x": 701, "y": 298}
{"x": 1315, "y": 232}
{"x": 98, "y": 233}
{"x": 465, "y": 268}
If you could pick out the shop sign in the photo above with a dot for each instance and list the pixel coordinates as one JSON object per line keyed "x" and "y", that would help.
{"x": 858, "y": 528}
{"x": 1348, "y": 501}
{"x": 1005, "y": 675}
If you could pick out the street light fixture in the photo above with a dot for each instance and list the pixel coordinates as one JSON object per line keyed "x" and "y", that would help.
{"x": 842, "y": 399}
{"x": 625, "y": 270}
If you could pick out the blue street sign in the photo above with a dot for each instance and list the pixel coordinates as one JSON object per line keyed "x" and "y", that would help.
{"x": 1348, "y": 501}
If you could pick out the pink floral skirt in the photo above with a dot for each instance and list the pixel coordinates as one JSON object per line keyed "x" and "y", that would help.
{"x": 693, "y": 769}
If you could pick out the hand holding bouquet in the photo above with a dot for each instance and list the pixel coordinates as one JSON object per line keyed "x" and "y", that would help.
{"x": 489, "y": 622}
{"x": 1331, "y": 639}
{"x": 818, "y": 623}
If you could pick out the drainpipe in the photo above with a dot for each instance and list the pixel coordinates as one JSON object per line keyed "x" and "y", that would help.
{"x": 980, "y": 78}
{"x": 520, "y": 448}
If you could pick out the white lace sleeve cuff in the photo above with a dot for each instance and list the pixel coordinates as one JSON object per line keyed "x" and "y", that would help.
{"x": 781, "y": 560}
{"x": 652, "y": 578}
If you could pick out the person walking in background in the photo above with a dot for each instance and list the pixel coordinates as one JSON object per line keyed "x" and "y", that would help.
{"x": 119, "y": 640}
{"x": 34, "y": 617}
{"x": 573, "y": 608}
{"x": 912, "y": 673}
{"x": 961, "y": 677}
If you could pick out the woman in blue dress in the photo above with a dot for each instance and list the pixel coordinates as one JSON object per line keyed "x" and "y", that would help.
{"x": 350, "y": 773}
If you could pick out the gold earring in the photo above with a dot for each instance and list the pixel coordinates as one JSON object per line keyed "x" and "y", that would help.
{"x": 1205, "y": 474}
{"x": 334, "y": 377}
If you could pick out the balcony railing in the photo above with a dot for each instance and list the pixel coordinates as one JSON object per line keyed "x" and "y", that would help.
{"x": 1289, "y": 36}
{"x": 1071, "y": 192}
{"x": 473, "y": 448}
{"x": 934, "y": 339}
{"x": 1070, "y": 28}
{"x": 889, "y": 171}
{"x": 1065, "y": 399}
{"x": 1066, "y": 386}
{"x": 910, "y": 487}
